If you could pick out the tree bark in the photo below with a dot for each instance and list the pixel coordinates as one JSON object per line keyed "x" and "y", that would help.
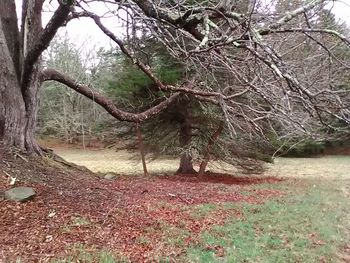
{"x": 20, "y": 62}
{"x": 17, "y": 116}
{"x": 142, "y": 149}
{"x": 206, "y": 158}
{"x": 31, "y": 100}
{"x": 185, "y": 137}
{"x": 8, "y": 18}
{"x": 12, "y": 108}
{"x": 186, "y": 165}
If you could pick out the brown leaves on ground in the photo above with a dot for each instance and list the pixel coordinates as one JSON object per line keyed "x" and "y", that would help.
{"x": 218, "y": 250}
{"x": 132, "y": 216}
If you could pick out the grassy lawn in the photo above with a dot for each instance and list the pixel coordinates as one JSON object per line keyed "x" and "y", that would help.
{"x": 128, "y": 163}
{"x": 309, "y": 224}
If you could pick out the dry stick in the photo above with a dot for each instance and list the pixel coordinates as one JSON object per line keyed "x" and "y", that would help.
{"x": 212, "y": 139}
{"x": 141, "y": 148}
{"x": 20, "y": 156}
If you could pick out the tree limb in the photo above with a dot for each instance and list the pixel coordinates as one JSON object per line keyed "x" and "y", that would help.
{"x": 291, "y": 15}
{"x": 147, "y": 70}
{"x": 312, "y": 30}
{"x": 43, "y": 41}
{"x": 108, "y": 105}
{"x": 8, "y": 19}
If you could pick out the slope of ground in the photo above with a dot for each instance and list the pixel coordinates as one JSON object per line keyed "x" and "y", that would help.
{"x": 79, "y": 217}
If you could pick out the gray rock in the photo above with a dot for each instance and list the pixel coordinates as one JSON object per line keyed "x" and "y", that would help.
{"x": 110, "y": 176}
{"x": 2, "y": 196}
{"x": 20, "y": 194}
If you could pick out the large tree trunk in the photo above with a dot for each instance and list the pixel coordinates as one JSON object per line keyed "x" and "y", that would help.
{"x": 12, "y": 108}
{"x": 17, "y": 121}
{"x": 185, "y": 137}
{"x": 31, "y": 99}
{"x": 30, "y": 88}
{"x": 18, "y": 100}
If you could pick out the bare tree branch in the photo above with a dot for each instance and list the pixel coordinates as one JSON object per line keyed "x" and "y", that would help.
{"x": 43, "y": 41}
{"x": 108, "y": 105}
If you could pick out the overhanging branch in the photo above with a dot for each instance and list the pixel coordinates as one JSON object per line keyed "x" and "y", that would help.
{"x": 148, "y": 71}
{"x": 108, "y": 105}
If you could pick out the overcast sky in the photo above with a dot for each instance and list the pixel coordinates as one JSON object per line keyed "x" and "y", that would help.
{"x": 342, "y": 10}
{"x": 84, "y": 31}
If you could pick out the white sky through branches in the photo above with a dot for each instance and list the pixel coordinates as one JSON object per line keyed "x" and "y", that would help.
{"x": 83, "y": 32}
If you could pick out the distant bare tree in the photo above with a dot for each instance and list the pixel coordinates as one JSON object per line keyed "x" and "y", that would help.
{"x": 63, "y": 112}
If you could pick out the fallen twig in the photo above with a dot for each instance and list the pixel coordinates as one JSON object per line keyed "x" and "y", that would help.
{"x": 7, "y": 164}
{"x": 13, "y": 180}
{"x": 20, "y": 156}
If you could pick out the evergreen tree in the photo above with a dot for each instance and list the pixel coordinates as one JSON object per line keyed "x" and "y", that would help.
{"x": 184, "y": 129}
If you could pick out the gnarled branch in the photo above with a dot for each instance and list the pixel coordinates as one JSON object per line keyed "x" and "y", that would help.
{"x": 107, "y": 104}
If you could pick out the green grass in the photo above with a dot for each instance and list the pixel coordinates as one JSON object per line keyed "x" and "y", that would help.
{"x": 310, "y": 223}
{"x": 171, "y": 235}
{"x": 80, "y": 253}
{"x": 80, "y": 221}
{"x": 307, "y": 226}
{"x": 200, "y": 211}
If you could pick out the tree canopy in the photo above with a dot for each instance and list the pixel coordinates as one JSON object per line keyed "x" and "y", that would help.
{"x": 267, "y": 69}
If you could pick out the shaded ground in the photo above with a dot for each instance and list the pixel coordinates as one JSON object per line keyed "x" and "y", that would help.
{"x": 78, "y": 217}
